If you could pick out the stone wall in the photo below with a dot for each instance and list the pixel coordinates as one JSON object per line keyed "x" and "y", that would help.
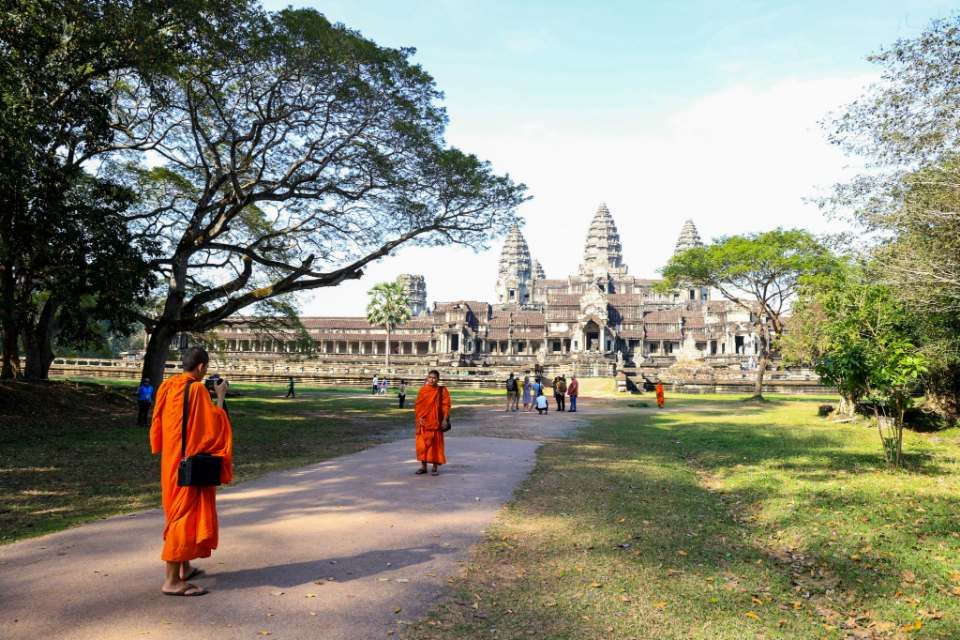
{"x": 360, "y": 375}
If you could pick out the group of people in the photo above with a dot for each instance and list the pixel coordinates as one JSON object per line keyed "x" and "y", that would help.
{"x": 190, "y": 422}
{"x": 380, "y": 385}
{"x": 533, "y": 393}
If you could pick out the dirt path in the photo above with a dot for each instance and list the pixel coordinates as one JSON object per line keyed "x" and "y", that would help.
{"x": 348, "y": 548}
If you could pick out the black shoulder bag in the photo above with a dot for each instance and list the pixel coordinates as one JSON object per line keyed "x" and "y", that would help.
{"x": 201, "y": 470}
{"x": 444, "y": 426}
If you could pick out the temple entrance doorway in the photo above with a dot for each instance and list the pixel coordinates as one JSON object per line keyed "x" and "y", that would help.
{"x": 591, "y": 333}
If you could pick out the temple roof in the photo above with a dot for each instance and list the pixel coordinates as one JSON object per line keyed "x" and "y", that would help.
{"x": 503, "y": 318}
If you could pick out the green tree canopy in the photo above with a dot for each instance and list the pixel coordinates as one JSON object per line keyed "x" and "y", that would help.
{"x": 759, "y": 272}
{"x": 289, "y": 161}
{"x": 907, "y": 128}
{"x": 65, "y": 67}
{"x": 864, "y": 340}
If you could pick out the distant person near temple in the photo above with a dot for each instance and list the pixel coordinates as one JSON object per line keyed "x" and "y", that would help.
{"x": 573, "y": 389}
{"x": 290, "y": 391}
{"x": 144, "y": 400}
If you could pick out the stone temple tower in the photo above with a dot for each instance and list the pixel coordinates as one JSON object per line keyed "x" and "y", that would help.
{"x": 602, "y": 254}
{"x": 538, "y": 273}
{"x": 689, "y": 237}
{"x": 514, "y": 276}
{"x": 416, "y": 287}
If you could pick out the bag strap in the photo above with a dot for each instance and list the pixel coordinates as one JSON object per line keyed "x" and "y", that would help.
{"x": 440, "y": 406}
{"x": 183, "y": 426}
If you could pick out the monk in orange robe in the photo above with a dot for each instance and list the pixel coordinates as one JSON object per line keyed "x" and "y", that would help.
{"x": 431, "y": 411}
{"x": 191, "y": 512}
{"x": 659, "y": 395}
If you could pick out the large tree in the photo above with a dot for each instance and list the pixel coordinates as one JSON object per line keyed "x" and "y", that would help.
{"x": 97, "y": 277}
{"x": 64, "y": 67}
{"x": 758, "y": 272}
{"x": 907, "y": 128}
{"x": 863, "y": 339}
{"x": 389, "y": 307}
{"x": 289, "y": 162}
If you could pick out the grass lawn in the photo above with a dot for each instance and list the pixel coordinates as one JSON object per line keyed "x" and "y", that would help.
{"x": 721, "y": 519}
{"x": 59, "y": 444}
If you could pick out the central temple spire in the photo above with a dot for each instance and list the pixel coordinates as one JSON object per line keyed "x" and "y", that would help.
{"x": 515, "y": 272}
{"x": 602, "y": 253}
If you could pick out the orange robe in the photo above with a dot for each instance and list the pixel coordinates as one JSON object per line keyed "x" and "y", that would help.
{"x": 191, "y": 530}
{"x": 659, "y": 395}
{"x": 429, "y": 436}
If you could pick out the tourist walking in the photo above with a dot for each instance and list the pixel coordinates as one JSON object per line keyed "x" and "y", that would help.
{"x": 573, "y": 389}
{"x": 376, "y": 385}
{"x": 527, "y": 398}
{"x": 290, "y": 392}
{"x": 559, "y": 392}
{"x": 187, "y": 423}
{"x": 144, "y": 399}
{"x": 659, "y": 389}
{"x": 432, "y": 416}
{"x": 384, "y": 383}
{"x": 511, "y": 393}
{"x": 401, "y": 393}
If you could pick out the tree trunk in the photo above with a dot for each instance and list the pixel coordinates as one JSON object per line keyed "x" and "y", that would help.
{"x": 155, "y": 355}
{"x": 38, "y": 340}
{"x": 10, "y": 366}
{"x": 761, "y": 369}
{"x": 11, "y": 352}
{"x": 388, "y": 348}
{"x": 762, "y": 363}
{"x": 848, "y": 405}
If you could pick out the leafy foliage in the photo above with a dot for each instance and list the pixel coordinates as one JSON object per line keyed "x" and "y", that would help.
{"x": 291, "y": 158}
{"x": 64, "y": 67}
{"x": 862, "y": 339}
{"x": 760, "y": 272}
{"x": 389, "y": 306}
{"x": 908, "y": 128}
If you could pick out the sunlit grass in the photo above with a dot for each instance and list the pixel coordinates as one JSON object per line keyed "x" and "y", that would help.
{"x": 62, "y": 469}
{"x": 748, "y": 521}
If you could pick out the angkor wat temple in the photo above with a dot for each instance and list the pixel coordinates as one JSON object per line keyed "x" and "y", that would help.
{"x": 601, "y": 315}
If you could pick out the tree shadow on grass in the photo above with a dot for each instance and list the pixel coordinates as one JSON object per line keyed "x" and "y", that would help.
{"x": 647, "y": 524}
{"x": 666, "y": 554}
{"x": 719, "y": 444}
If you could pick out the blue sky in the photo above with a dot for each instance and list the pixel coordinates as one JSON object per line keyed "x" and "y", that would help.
{"x": 665, "y": 110}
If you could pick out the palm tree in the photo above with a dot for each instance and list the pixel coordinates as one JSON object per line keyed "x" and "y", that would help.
{"x": 389, "y": 306}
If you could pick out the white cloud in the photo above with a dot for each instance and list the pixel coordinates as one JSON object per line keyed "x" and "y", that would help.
{"x": 738, "y": 160}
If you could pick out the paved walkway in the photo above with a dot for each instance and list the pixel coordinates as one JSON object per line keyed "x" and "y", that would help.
{"x": 349, "y": 548}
